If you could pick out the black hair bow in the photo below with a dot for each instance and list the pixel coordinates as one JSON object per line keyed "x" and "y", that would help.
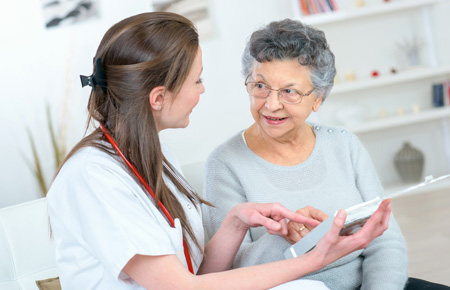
{"x": 96, "y": 79}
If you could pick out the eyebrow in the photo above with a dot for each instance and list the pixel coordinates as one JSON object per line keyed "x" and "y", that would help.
{"x": 286, "y": 86}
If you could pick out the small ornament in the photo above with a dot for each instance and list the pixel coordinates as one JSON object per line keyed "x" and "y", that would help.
{"x": 383, "y": 114}
{"x": 375, "y": 73}
{"x": 416, "y": 109}
{"x": 359, "y": 3}
{"x": 393, "y": 70}
{"x": 412, "y": 49}
{"x": 400, "y": 111}
{"x": 350, "y": 76}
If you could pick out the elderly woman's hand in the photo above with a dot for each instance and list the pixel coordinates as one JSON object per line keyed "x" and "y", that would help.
{"x": 270, "y": 215}
{"x": 334, "y": 246}
{"x": 296, "y": 230}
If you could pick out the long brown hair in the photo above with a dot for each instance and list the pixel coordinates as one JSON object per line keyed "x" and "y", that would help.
{"x": 139, "y": 53}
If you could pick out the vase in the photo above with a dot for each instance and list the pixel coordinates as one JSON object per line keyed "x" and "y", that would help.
{"x": 409, "y": 163}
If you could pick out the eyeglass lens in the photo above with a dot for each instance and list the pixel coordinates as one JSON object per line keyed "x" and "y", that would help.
{"x": 262, "y": 91}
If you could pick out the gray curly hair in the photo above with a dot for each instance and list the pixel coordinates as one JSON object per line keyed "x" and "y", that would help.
{"x": 291, "y": 39}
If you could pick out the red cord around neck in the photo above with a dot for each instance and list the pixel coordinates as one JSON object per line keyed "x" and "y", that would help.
{"x": 150, "y": 191}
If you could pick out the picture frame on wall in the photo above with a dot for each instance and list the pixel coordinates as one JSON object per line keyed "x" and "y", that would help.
{"x": 195, "y": 10}
{"x": 57, "y": 13}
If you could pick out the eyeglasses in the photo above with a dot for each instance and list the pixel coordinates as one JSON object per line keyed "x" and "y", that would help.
{"x": 260, "y": 90}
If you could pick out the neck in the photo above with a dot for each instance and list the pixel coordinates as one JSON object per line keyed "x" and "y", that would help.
{"x": 287, "y": 150}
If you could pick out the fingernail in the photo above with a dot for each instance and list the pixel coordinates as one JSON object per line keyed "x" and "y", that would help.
{"x": 276, "y": 226}
{"x": 341, "y": 214}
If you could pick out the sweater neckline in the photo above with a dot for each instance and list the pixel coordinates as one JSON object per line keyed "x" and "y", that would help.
{"x": 312, "y": 156}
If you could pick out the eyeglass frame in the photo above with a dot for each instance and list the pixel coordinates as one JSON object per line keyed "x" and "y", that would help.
{"x": 302, "y": 95}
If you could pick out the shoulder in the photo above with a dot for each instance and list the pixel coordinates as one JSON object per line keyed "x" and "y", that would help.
{"x": 91, "y": 158}
{"x": 231, "y": 149}
{"x": 335, "y": 134}
{"x": 87, "y": 169}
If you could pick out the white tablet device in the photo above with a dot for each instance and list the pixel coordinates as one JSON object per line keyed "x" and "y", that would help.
{"x": 356, "y": 217}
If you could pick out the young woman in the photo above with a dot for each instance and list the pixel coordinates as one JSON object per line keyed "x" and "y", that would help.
{"x": 121, "y": 213}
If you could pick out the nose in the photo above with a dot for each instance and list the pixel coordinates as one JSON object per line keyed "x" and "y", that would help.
{"x": 273, "y": 101}
{"x": 202, "y": 89}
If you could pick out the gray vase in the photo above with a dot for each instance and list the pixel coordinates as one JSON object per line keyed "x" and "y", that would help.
{"x": 409, "y": 163}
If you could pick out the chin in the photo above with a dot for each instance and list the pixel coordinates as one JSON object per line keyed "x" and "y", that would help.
{"x": 274, "y": 132}
{"x": 185, "y": 124}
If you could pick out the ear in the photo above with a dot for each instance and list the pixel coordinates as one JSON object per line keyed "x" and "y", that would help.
{"x": 316, "y": 104}
{"x": 156, "y": 98}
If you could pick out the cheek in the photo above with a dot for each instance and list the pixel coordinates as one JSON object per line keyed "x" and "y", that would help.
{"x": 255, "y": 108}
{"x": 191, "y": 99}
{"x": 256, "y": 104}
{"x": 195, "y": 100}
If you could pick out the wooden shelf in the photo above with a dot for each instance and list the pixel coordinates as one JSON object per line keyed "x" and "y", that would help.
{"x": 370, "y": 10}
{"x": 401, "y": 77}
{"x": 408, "y": 119}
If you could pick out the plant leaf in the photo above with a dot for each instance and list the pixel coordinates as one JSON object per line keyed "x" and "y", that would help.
{"x": 55, "y": 147}
{"x": 37, "y": 165}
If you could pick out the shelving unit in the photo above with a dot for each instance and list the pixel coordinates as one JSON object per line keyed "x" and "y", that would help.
{"x": 401, "y": 77}
{"x": 350, "y": 14}
{"x": 397, "y": 121}
{"x": 391, "y": 127}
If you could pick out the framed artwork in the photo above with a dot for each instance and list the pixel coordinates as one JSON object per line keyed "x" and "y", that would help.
{"x": 195, "y": 10}
{"x": 67, "y": 12}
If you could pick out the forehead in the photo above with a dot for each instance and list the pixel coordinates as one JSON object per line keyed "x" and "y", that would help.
{"x": 197, "y": 65}
{"x": 276, "y": 71}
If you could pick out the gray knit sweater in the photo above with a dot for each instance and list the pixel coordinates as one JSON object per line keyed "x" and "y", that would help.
{"x": 338, "y": 174}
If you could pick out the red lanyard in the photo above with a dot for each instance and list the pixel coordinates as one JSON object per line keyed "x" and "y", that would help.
{"x": 150, "y": 191}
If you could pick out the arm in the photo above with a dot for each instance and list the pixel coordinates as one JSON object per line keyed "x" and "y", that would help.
{"x": 166, "y": 272}
{"x": 385, "y": 259}
{"x": 223, "y": 246}
{"x": 223, "y": 188}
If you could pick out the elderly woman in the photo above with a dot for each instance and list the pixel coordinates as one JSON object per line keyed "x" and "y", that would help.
{"x": 289, "y": 71}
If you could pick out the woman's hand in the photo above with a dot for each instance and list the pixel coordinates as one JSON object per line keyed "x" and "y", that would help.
{"x": 270, "y": 215}
{"x": 334, "y": 246}
{"x": 223, "y": 246}
{"x": 296, "y": 230}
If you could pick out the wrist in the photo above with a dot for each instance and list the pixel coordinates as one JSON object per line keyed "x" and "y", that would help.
{"x": 235, "y": 221}
{"x": 316, "y": 261}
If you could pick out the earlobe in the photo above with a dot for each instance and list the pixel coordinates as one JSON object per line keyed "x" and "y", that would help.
{"x": 317, "y": 104}
{"x": 156, "y": 98}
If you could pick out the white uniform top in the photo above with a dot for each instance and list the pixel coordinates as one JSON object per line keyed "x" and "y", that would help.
{"x": 101, "y": 217}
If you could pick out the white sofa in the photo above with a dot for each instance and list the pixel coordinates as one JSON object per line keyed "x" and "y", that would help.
{"x": 27, "y": 252}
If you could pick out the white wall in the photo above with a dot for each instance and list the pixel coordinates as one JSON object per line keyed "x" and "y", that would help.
{"x": 39, "y": 65}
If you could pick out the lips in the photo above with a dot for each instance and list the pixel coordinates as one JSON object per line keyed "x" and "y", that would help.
{"x": 274, "y": 118}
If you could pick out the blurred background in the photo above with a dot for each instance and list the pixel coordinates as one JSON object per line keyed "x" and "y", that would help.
{"x": 392, "y": 58}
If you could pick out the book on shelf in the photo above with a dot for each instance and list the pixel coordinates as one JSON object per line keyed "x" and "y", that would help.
{"x": 441, "y": 94}
{"x": 314, "y": 4}
{"x": 323, "y": 5}
{"x": 333, "y": 4}
{"x": 309, "y": 7}
{"x": 447, "y": 93}
{"x": 304, "y": 7}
